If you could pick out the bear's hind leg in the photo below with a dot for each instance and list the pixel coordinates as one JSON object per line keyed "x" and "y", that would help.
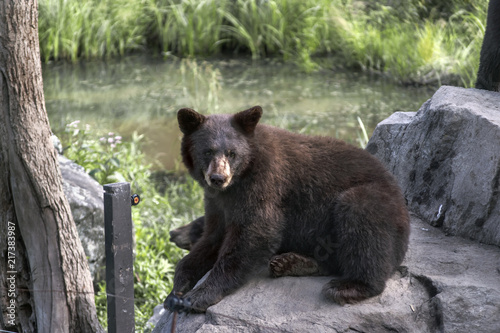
{"x": 373, "y": 227}
{"x": 292, "y": 264}
{"x": 347, "y": 291}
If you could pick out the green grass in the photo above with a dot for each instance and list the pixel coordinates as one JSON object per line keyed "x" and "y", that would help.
{"x": 72, "y": 29}
{"x": 410, "y": 49}
{"x": 416, "y": 41}
{"x": 187, "y": 28}
{"x": 286, "y": 27}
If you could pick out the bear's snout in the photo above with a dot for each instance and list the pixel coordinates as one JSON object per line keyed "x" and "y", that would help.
{"x": 219, "y": 173}
{"x": 217, "y": 180}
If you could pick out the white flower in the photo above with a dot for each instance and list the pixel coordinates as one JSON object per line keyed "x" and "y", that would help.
{"x": 74, "y": 123}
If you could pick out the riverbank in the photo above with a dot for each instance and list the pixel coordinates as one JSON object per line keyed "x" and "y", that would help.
{"x": 414, "y": 42}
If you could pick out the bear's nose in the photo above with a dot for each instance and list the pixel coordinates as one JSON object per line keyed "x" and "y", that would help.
{"x": 217, "y": 179}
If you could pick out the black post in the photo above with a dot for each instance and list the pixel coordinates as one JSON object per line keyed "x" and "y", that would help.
{"x": 119, "y": 258}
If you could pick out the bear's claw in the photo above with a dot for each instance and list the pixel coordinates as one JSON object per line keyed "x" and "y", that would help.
{"x": 175, "y": 303}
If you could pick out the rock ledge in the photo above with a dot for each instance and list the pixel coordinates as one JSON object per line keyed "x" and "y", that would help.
{"x": 447, "y": 284}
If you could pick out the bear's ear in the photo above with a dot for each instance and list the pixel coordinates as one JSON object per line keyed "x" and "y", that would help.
{"x": 189, "y": 120}
{"x": 248, "y": 119}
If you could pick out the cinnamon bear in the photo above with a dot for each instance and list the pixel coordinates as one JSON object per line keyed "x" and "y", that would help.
{"x": 303, "y": 205}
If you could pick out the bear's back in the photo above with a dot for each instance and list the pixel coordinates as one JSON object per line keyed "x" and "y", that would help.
{"x": 317, "y": 160}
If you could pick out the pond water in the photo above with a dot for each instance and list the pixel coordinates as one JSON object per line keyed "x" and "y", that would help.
{"x": 143, "y": 94}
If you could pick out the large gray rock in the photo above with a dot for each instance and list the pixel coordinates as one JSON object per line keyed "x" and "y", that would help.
{"x": 85, "y": 197}
{"x": 447, "y": 160}
{"x": 447, "y": 284}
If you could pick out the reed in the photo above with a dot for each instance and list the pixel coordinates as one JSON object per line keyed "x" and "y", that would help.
{"x": 418, "y": 42}
{"x": 285, "y": 27}
{"x": 72, "y": 30}
{"x": 189, "y": 27}
{"x": 408, "y": 48}
{"x": 464, "y": 42}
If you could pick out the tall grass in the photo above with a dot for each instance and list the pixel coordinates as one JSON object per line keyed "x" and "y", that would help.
{"x": 72, "y": 29}
{"x": 408, "y": 48}
{"x": 464, "y": 41}
{"x": 286, "y": 27}
{"x": 419, "y": 41}
{"x": 188, "y": 27}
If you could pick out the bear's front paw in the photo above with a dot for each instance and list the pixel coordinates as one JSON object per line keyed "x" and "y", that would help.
{"x": 201, "y": 299}
{"x": 175, "y": 303}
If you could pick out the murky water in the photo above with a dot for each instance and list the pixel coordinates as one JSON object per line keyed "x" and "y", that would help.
{"x": 140, "y": 94}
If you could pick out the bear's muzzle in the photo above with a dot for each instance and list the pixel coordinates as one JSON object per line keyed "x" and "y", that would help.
{"x": 219, "y": 173}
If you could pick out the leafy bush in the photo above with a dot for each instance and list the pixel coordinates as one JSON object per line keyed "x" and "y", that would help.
{"x": 109, "y": 158}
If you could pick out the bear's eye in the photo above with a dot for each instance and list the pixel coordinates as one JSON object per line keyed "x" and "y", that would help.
{"x": 208, "y": 153}
{"x": 231, "y": 154}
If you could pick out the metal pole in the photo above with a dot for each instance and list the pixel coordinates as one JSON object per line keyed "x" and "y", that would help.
{"x": 119, "y": 258}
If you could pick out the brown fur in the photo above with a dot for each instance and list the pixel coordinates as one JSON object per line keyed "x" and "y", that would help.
{"x": 332, "y": 204}
{"x": 185, "y": 236}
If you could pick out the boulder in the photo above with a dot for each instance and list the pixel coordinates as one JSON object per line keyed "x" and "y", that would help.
{"x": 446, "y": 158}
{"x": 85, "y": 197}
{"x": 446, "y": 284}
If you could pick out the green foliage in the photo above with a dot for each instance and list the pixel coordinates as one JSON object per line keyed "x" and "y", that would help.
{"x": 71, "y": 29}
{"x": 412, "y": 40}
{"x": 108, "y": 158}
{"x": 273, "y": 27}
{"x": 188, "y": 27}
{"x": 400, "y": 42}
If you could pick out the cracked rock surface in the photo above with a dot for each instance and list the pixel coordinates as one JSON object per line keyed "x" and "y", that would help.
{"x": 446, "y": 158}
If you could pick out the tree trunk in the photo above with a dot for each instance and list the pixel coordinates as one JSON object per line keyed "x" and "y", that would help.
{"x": 46, "y": 283}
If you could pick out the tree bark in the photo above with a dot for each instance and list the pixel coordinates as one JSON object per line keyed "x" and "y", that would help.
{"x": 40, "y": 252}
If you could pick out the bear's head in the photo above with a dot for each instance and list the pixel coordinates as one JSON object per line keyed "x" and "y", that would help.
{"x": 217, "y": 149}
